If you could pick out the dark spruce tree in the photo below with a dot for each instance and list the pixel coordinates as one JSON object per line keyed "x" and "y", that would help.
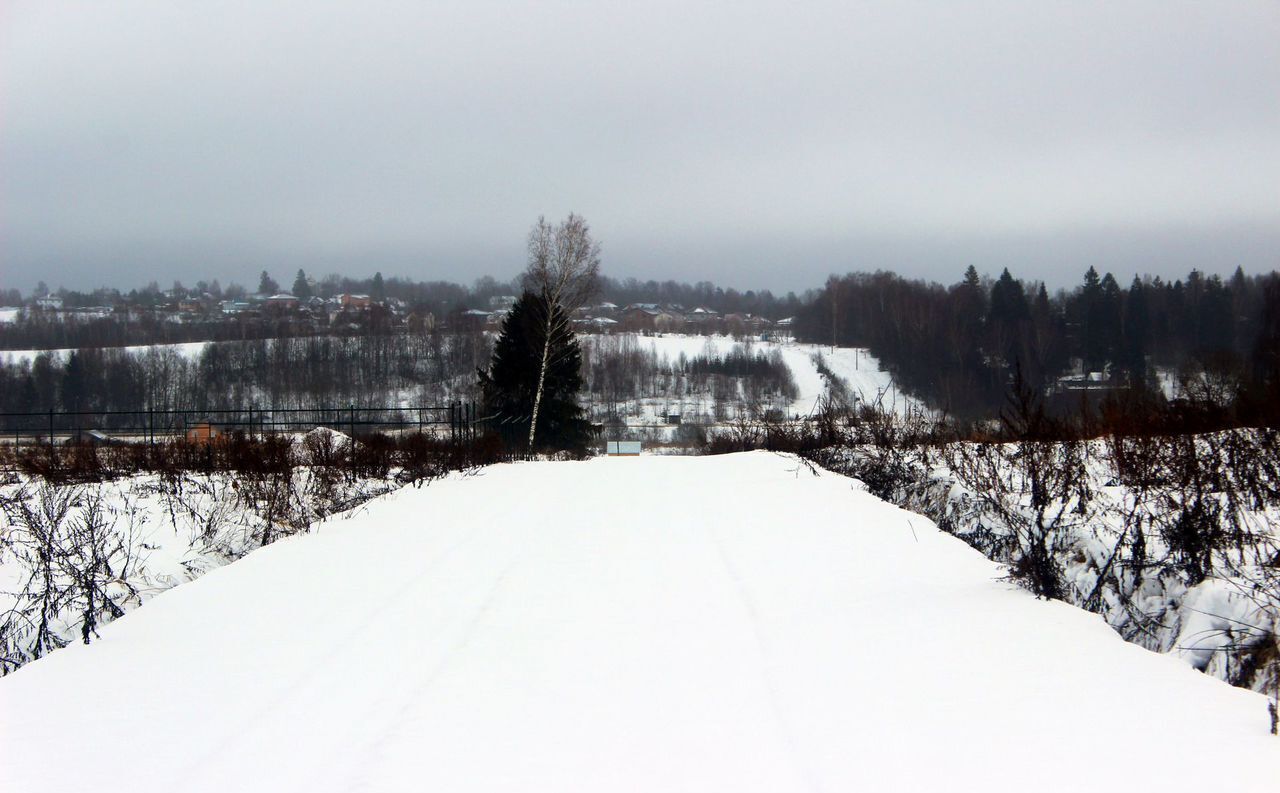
{"x": 509, "y": 386}
{"x": 301, "y": 289}
{"x": 267, "y": 285}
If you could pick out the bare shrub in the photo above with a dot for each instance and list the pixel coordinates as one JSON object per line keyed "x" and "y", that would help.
{"x": 64, "y": 539}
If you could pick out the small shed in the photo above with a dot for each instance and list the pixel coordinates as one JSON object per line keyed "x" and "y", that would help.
{"x": 202, "y": 433}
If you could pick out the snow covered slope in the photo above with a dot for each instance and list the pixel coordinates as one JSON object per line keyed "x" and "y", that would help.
{"x": 649, "y": 624}
{"x": 190, "y": 350}
{"x": 856, "y": 366}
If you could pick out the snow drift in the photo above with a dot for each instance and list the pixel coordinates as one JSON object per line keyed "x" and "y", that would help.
{"x": 728, "y": 623}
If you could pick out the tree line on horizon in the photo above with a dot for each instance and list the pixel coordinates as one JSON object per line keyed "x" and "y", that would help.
{"x": 959, "y": 347}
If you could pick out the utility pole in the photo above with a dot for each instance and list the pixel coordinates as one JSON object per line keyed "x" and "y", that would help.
{"x": 834, "y": 287}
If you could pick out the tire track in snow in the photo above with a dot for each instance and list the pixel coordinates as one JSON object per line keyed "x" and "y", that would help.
{"x": 376, "y": 615}
{"x": 361, "y": 779}
{"x": 767, "y": 674}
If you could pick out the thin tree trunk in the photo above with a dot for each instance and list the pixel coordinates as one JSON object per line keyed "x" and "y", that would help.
{"x": 542, "y": 378}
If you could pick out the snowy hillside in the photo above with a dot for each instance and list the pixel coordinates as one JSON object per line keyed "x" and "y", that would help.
{"x": 855, "y": 366}
{"x": 543, "y": 626}
{"x": 190, "y": 350}
{"x": 857, "y": 376}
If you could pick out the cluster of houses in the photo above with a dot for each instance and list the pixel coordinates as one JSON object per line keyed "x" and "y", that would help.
{"x": 674, "y": 318}
{"x": 646, "y": 318}
{"x": 343, "y": 311}
{"x": 312, "y": 314}
{"x": 351, "y": 312}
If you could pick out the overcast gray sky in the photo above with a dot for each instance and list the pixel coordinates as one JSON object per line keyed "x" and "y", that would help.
{"x": 752, "y": 144}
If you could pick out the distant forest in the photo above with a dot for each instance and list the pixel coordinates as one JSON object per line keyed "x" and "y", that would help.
{"x": 959, "y": 347}
{"x": 316, "y": 372}
{"x": 709, "y": 386}
{"x": 376, "y": 371}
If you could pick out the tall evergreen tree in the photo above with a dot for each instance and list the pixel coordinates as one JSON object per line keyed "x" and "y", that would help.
{"x": 510, "y": 385}
{"x": 1008, "y": 300}
{"x": 1048, "y": 347}
{"x": 1245, "y": 310}
{"x": 963, "y": 337}
{"x": 1266, "y": 351}
{"x": 1007, "y": 319}
{"x": 1215, "y": 325}
{"x": 301, "y": 289}
{"x": 1137, "y": 320}
{"x": 1106, "y": 322}
{"x": 1093, "y": 342}
{"x": 267, "y": 285}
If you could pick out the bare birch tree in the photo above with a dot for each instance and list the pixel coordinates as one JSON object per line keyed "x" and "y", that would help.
{"x": 564, "y": 268}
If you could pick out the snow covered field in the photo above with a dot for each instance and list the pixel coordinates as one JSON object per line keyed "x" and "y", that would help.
{"x": 861, "y": 372}
{"x": 543, "y": 626}
{"x": 190, "y": 350}
{"x": 856, "y": 366}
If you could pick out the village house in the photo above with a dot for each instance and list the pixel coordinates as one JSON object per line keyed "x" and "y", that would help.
{"x": 473, "y": 319}
{"x": 667, "y": 321}
{"x": 639, "y": 317}
{"x": 603, "y": 324}
{"x": 783, "y": 330}
{"x": 739, "y": 324}
{"x": 701, "y": 316}
{"x": 282, "y": 302}
{"x": 421, "y": 321}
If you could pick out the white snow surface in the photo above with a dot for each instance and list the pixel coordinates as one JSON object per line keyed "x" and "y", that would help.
{"x": 190, "y": 350}
{"x": 545, "y": 626}
{"x": 856, "y": 366}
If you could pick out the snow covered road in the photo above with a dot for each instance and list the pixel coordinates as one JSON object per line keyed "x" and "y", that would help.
{"x": 652, "y": 624}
